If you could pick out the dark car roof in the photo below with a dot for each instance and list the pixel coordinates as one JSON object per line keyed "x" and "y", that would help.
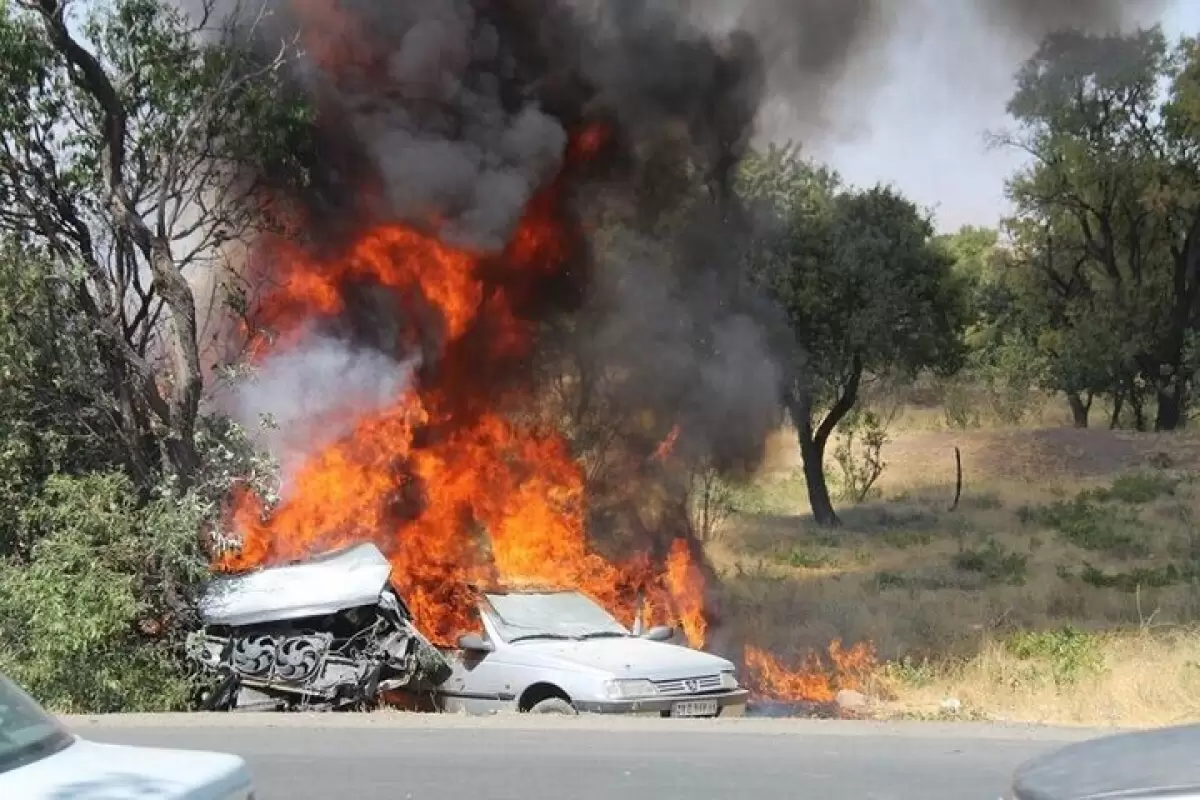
{"x": 1159, "y": 763}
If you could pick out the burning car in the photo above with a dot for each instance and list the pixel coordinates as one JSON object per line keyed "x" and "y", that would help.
{"x": 559, "y": 652}
{"x": 331, "y": 633}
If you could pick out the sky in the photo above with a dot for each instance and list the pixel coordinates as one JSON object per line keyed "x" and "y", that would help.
{"x": 922, "y": 127}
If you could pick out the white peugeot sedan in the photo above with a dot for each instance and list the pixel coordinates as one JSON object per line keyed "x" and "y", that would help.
{"x": 40, "y": 759}
{"x": 559, "y": 652}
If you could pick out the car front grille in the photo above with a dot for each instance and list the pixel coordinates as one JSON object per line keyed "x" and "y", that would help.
{"x": 706, "y": 683}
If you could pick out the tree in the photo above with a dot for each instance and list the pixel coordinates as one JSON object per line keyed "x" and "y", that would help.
{"x": 94, "y": 569}
{"x": 1112, "y": 181}
{"x": 865, "y": 292}
{"x": 999, "y": 351}
{"x": 129, "y": 150}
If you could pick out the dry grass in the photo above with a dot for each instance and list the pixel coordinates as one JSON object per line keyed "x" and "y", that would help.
{"x": 1068, "y": 546}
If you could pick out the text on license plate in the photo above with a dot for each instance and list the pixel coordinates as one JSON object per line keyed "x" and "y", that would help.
{"x": 694, "y": 708}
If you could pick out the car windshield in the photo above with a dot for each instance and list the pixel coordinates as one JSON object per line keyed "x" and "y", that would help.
{"x": 552, "y": 615}
{"x": 27, "y": 733}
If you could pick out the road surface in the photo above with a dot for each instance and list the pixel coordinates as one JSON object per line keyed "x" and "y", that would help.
{"x": 426, "y": 757}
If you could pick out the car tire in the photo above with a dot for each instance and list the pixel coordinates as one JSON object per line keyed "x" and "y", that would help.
{"x": 553, "y": 705}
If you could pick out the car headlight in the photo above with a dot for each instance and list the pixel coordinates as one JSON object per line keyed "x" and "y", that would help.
{"x": 625, "y": 689}
{"x": 728, "y": 680}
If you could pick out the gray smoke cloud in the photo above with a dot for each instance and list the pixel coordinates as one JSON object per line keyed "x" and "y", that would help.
{"x": 1033, "y": 19}
{"x": 453, "y": 113}
{"x": 824, "y": 58}
{"x": 308, "y": 396}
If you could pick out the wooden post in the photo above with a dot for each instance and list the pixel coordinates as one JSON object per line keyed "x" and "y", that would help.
{"x": 957, "y": 478}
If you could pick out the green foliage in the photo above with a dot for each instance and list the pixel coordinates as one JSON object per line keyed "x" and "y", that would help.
{"x": 1138, "y": 578}
{"x": 1069, "y": 653}
{"x": 959, "y": 407}
{"x": 1100, "y": 242}
{"x": 1092, "y": 527}
{"x": 711, "y": 501}
{"x": 864, "y": 290}
{"x": 995, "y": 563}
{"x": 135, "y": 143}
{"x": 804, "y": 558}
{"x": 52, "y": 411}
{"x": 92, "y": 620}
{"x": 859, "y": 454}
{"x": 911, "y": 672}
{"x": 1137, "y": 488}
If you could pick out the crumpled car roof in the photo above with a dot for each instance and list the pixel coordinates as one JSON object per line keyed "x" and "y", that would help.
{"x": 326, "y": 584}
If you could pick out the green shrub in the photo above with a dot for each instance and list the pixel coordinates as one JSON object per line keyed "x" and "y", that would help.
{"x": 1092, "y": 527}
{"x": 804, "y": 558}
{"x": 1138, "y": 488}
{"x": 93, "y": 620}
{"x": 1069, "y": 653}
{"x": 859, "y": 455}
{"x": 995, "y": 563}
{"x": 1140, "y": 577}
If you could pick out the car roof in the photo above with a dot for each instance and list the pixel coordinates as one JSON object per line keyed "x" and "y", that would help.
{"x": 1161, "y": 763}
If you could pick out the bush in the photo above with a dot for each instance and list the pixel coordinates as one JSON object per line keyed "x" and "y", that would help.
{"x": 1069, "y": 653}
{"x": 859, "y": 455}
{"x": 1089, "y": 526}
{"x": 93, "y": 621}
{"x": 1138, "y": 488}
{"x": 995, "y": 563}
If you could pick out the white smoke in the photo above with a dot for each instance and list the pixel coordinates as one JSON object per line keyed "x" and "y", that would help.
{"x": 307, "y": 397}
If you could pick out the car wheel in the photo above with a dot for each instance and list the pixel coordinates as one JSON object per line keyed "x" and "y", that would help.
{"x": 553, "y": 705}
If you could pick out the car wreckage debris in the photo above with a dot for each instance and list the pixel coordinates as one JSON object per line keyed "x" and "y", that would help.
{"x": 326, "y": 634}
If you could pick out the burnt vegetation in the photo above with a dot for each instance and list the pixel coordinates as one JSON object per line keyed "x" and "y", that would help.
{"x": 700, "y": 291}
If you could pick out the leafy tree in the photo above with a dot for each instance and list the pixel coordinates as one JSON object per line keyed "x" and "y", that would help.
{"x": 865, "y": 291}
{"x": 129, "y": 142}
{"x": 1111, "y": 186}
{"x": 129, "y": 155}
{"x": 50, "y": 420}
{"x": 999, "y": 352}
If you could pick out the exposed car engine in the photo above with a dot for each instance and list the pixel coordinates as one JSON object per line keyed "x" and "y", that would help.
{"x": 301, "y": 637}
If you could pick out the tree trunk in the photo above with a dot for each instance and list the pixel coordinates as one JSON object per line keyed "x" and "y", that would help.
{"x": 178, "y": 412}
{"x": 1169, "y": 415}
{"x": 1138, "y": 404}
{"x": 1079, "y": 409}
{"x": 812, "y": 451}
{"x": 813, "y": 440}
{"x": 1114, "y": 419}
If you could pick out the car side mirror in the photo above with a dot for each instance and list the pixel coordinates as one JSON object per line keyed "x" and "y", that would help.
{"x": 659, "y": 633}
{"x": 475, "y": 643}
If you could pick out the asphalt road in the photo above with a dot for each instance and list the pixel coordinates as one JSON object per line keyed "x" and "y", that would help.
{"x": 425, "y": 757}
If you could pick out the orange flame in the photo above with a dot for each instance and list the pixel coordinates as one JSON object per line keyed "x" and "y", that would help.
{"x": 814, "y": 679}
{"x": 446, "y": 480}
{"x": 667, "y": 444}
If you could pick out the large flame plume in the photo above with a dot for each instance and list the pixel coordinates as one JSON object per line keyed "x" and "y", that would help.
{"x": 455, "y": 488}
{"x": 548, "y": 394}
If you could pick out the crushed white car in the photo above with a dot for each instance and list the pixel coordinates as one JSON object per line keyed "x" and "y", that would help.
{"x": 40, "y": 759}
{"x": 332, "y": 633}
{"x": 324, "y": 634}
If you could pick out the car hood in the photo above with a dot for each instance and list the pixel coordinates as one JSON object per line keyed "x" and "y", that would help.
{"x": 628, "y": 657}
{"x": 115, "y": 772}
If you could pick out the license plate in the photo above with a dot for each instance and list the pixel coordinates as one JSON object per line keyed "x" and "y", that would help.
{"x": 694, "y": 708}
